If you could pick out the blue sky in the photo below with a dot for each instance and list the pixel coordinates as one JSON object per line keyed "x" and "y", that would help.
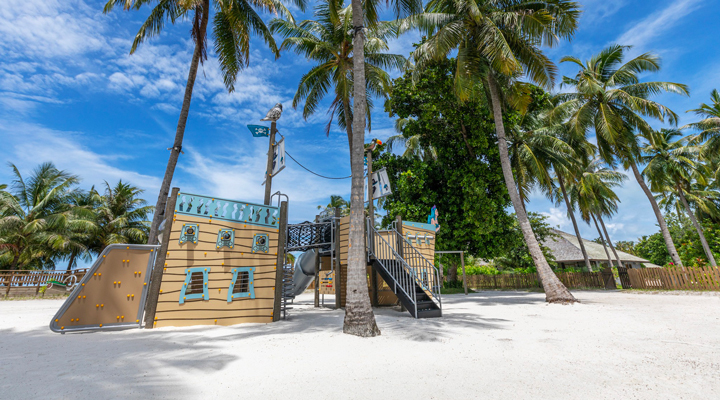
{"x": 71, "y": 93}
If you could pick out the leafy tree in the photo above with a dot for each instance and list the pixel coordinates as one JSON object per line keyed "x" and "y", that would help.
{"x": 464, "y": 181}
{"x": 653, "y": 249}
{"x": 337, "y": 201}
{"x": 709, "y": 127}
{"x": 32, "y": 213}
{"x": 627, "y": 246}
{"x": 608, "y": 98}
{"x": 670, "y": 167}
{"x": 518, "y": 256}
{"x": 328, "y": 42}
{"x": 233, "y": 24}
{"x": 496, "y": 43}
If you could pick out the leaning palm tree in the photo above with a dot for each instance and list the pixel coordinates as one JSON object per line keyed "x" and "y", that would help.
{"x": 709, "y": 128}
{"x": 32, "y": 213}
{"x": 233, "y": 23}
{"x": 496, "y": 43}
{"x": 609, "y": 99}
{"x": 328, "y": 42}
{"x": 670, "y": 164}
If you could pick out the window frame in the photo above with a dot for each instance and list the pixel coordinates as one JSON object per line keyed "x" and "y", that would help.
{"x": 251, "y": 284}
{"x": 188, "y": 275}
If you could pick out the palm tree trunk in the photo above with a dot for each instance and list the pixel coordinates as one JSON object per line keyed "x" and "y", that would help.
{"x": 694, "y": 220}
{"x": 71, "y": 261}
{"x": 555, "y": 291}
{"x": 348, "y": 126}
{"x": 180, "y": 132}
{"x": 661, "y": 221}
{"x": 612, "y": 247}
{"x": 575, "y": 225}
{"x": 359, "y": 316}
{"x": 15, "y": 261}
{"x": 602, "y": 239}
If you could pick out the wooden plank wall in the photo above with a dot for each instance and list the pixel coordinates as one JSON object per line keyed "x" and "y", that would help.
{"x": 344, "y": 245}
{"x": 427, "y": 250}
{"x": 216, "y": 310}
{"x": 699, "y": 278}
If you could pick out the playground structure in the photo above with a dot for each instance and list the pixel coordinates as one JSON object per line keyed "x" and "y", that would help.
{"x": 223, "y": 262}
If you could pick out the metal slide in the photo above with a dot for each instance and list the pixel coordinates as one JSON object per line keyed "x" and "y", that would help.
{"x": 304, "y": 272}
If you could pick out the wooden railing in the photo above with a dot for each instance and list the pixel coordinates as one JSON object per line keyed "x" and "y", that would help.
{"x": 29, "y": 280}
{"x": 571, "y": 280}
{"x": 702, "y": 278}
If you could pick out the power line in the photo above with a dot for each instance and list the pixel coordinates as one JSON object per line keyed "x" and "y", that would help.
{"x": 314, "y": 173}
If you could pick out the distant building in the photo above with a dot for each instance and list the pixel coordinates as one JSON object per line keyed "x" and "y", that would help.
{"x": 566, "y": 250}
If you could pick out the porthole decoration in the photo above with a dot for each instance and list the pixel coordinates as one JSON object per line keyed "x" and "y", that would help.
{"x": 189, "y": 233}
{"x": 261, "y": 243}
{"x": 226, "y": 238}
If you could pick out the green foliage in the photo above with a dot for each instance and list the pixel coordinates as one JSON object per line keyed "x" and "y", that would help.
{"x": 45, "y": 218}
{"x": 653, "y": 249}
{"x": 684, "y": 234}
{"x": 464, "y": 181}
{"x": 517, "y": 258}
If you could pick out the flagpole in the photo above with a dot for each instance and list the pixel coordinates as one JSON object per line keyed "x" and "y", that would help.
{"x": 268, "y": 171}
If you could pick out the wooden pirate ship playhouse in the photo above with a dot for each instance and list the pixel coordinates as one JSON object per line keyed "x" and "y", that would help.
{"x": 222, "y": 262}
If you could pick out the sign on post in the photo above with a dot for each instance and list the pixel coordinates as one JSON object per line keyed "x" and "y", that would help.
{"x": 278, "y": 163}
{"x": 259, "y": 130}
{"x": 380, "y": 184}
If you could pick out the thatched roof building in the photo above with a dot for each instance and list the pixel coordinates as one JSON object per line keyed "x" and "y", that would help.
{"x": 566, "y": 250}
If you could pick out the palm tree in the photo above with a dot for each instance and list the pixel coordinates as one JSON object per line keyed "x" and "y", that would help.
{"x": 592, "y": 191}
{"x": 30, "y": 215}
{"x": 233, "y": 23}
{"x": 709, "y": 128}
{"x": 670, "y": 165}
{"x": 496, "y": 43}
{"x": 327, "y": 41}
{"x": 413, "y": 145}
{"x": 338, "y": 202}
{"x": 359, "y": 317}
{"x": 609, "y": 99}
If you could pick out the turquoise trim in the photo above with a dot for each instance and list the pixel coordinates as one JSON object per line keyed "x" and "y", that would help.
{"x": 251, "y": 284}
{"x": 261, "y": 243}
{"x": 230, "y": 242}
{"x": 189, "y": 237}
{"x": 227, "y": 210}
{"x": 204, "y": 295}
{"x": 420, "y": 225}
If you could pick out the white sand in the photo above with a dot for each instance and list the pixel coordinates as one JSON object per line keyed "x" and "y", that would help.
{"x": 494, "y": 345}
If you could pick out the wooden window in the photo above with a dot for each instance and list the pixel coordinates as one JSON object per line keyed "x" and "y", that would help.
{"x": 242, "y": 284}
{"x": 195, "y": 286}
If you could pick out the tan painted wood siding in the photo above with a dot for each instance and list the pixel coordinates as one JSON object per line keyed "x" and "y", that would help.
{"x": 216, "y": 310}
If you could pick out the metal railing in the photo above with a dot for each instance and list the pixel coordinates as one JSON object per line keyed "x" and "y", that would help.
{"x": 402, "y": 274}
{"x": 428, "y": 276}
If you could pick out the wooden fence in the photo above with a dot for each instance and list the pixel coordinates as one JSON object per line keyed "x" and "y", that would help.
{"x": 572, "y": 280}
{"x": 28, "y": 283}
{"x": 703, "y": 278}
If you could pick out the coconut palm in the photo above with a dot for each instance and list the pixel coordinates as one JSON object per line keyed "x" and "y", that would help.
{"x": 709, "y": 128}
{"x": 413, "y": 145}
{"x": 337, "y": 202}
{"x": 327, "y": 41}
{"x": 496, "y": 43}
{"x": 670, "y": 164}
{"x": 31, "y": 215}
{"x": 609, "y": 99}
{"x": 592, "y": 190}
{"x": 233, "y": 24}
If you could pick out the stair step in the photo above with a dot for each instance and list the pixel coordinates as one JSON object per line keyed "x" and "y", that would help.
{"x": 436, "y": 313}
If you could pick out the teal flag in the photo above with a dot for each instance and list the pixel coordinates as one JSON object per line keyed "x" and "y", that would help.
{"x": 259, "y": 130}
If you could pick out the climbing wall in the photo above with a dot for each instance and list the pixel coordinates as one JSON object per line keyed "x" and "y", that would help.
{"x": 221, "y": 263}
{"x": 111, "y": 295}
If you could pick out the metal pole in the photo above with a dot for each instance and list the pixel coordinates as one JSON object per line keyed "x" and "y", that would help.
{"x": 371, "y": 216}
{"x": 280, "y": 261}
{"x": 462, "y": 262}
{"x": 268, "y": 171}
{"x": 338, "y": 267}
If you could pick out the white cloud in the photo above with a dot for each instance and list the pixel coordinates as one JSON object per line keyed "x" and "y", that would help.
{"x": 557, "y": 218}
{"x": 657, "y": 23}
{"x": 27, "y": 145}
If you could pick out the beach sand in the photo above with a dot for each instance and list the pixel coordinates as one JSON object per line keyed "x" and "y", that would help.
{"x": 488, "y": 345}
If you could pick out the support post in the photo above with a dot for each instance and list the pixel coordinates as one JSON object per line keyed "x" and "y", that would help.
{"x": 153, "y": 292}
{"x": 280, "y": 268}
{"x": 317, "y": 275}
{"x": 462, "y": 262}
{"x": 371, "y": 216}
{"x": 338, "y": 272}
{"x": 268, "y": 172}
{"x": 400, "y": 246}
